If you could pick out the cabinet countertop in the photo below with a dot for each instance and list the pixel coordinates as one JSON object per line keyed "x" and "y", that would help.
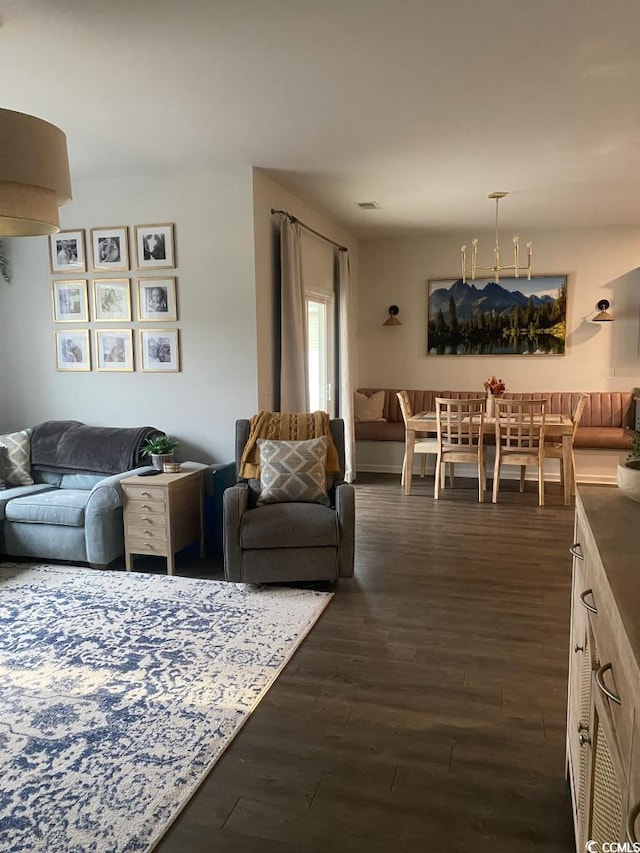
{"x": 614, "y": 520}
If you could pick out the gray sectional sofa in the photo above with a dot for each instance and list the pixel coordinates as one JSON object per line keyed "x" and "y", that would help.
{"x": 72, "y": 508}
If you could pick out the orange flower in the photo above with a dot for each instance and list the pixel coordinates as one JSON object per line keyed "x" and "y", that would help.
{"x": 494, "y": 386}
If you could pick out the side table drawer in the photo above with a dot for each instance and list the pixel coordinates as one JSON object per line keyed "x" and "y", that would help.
{"x": 147, "y": 545}
{"x": 151, "y": 520}
{"x": 144, "y": 493}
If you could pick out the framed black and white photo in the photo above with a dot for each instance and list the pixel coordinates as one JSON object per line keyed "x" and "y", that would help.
{"x": 157, "y": 299}
{"x": 114, "y": 349}
{"x": 69, "y": 301}
{"x": 154, "y": 246}
{"x": 72, "y": 350}
{"x": 111, "y": 300}
{"x": 66, "y": 252}
{"x": 159, "y": 350}
{"x": 109, "y": 249}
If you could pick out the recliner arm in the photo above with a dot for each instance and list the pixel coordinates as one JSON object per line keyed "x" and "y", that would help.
{"x": 235, "y": 501}
{"x": 345, "y": 504}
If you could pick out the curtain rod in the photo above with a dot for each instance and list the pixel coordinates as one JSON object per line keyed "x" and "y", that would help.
{"x": 292, "y": 218}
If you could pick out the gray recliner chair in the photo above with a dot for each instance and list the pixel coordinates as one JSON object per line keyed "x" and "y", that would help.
{"x": 288, "y": 541}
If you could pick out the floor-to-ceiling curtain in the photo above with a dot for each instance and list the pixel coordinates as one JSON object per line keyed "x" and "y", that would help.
{"x": 346, "y": 362}
{"x": 294, "y": 374}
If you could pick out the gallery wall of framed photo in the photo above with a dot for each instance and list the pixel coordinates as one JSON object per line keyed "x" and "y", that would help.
{"x": 101, "y": 280}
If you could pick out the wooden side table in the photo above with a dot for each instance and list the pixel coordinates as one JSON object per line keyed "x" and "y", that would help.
{"x": 162, "y": 515}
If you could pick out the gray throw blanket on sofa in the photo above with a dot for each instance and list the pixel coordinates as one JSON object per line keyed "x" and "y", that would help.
{"x": 74, "y": 446}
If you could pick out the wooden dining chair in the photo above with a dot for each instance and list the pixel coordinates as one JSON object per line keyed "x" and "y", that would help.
{"x": 553, "y": 449}
{"x": 519, "y": 428}
{"x": 425, "y": 444}
{"x": 460, "y": 438}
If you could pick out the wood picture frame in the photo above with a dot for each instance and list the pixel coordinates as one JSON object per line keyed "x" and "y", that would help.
{"x": 155, "y": 246}
{"x": 67, "y": 252}
{"x": 157, "y": 299}
{"x": 110, "y": 249}
{"x": 114, "y": 350}
{"x": 159, "y": 350}
{"x": 111, "y": 300}
{"x": 69, "y": 301}
{"x": 72, "y": 351}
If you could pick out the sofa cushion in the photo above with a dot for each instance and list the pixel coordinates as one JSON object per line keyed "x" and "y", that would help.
{"x": 13, "y": 492}
{"x": 58, "y": 506}
{"x": 290, "y": 525}
{"x": 369, "y": 408}
{"x": 17, "y": 457}
{"x": 293, "y": 471}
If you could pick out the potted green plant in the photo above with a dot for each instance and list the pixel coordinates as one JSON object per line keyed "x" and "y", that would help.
{"x": 629, "y": 471}
{"x": 160, "y": 450}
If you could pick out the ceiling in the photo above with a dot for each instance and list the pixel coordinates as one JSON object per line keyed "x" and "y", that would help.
{"x": 424, "y": 106}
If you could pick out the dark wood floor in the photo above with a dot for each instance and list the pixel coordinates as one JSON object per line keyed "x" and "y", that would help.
{"x": 426, "y": 709}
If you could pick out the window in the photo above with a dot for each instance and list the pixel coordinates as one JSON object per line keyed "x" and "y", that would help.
{"x": 320, "y": 349}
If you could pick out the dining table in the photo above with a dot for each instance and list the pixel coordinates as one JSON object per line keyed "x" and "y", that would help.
{"x": 556, "y": 427}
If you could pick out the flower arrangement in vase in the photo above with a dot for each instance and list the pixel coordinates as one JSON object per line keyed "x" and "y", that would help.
{"x": 493, "y": 388}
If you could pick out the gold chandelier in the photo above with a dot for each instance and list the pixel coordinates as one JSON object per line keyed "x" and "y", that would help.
{"x": 497, "y": 268}
{"x": 34, "y": 175}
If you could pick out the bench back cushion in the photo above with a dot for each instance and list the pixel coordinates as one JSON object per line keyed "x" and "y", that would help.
{"x": 603, "y": 408}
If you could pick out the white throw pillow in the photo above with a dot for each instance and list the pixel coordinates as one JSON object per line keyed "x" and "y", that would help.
{"x": 369, "y": 408}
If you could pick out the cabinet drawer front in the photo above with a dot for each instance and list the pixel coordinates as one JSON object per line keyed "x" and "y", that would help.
{"x": 152, "y": 520}
{"x": 144, "y": 506}
{"x": 146, "y": 545}
{"x": 144, "y": 493}
{"x": 157, "y": 533}
{"x": 616, "y": 665}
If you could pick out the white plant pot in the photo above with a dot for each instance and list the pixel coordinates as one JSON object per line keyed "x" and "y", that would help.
{"x": 629, "y": 479}
{"x": 158, "y": 459}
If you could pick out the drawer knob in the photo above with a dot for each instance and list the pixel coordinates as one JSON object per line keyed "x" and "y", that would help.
{"x": 584, "y": 739}
{"x": 575, "y": 552}
{"x": 144, "y": 518}
{"x": 146, "y": 506}
{"x": 148, "y": 544}
{"x": 631, "y": 823}
{"x": 578, "y": 648}
{"x": 583, "y": 596}
{"x": 145, "y": 494}
{"x": 147, "y": 532}
{"x": 603, "y": 687}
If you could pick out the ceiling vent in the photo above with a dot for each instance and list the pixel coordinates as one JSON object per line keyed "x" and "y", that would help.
{"x": 369, "y": 205}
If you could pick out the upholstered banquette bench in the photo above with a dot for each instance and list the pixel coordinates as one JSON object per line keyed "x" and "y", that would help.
{"x": 606, "y": 423}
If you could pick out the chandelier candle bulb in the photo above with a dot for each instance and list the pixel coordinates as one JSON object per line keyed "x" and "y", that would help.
{"x": 463, "y": 252}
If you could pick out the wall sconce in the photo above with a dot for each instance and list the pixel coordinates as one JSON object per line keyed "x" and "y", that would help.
{"x": 392, "y": 320}
{"x": 603, "y": 315}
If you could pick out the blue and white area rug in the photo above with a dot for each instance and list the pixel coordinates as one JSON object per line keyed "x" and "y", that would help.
{"x": 118, "y": 693}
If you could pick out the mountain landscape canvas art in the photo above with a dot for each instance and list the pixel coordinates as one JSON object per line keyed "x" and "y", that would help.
{"x": 514, "y": 316}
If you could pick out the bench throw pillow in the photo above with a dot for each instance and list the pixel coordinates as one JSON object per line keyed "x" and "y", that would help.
{"x": 369, "y": 408}
{"x": 293, "y": 471}
{"x": 17, "y": 458}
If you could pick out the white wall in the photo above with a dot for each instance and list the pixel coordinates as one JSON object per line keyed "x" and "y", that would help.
{"x": 213, "y": 217}
{"x": 599, "y": 264}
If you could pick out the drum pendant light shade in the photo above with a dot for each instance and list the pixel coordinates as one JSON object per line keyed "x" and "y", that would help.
{"x": 34, "y": 175}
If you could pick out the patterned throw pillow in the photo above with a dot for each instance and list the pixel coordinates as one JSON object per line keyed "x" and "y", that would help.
{"x": 3, "y": 485}
{"x": 17, "y": 458}
{"x": 293, "y": 471}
